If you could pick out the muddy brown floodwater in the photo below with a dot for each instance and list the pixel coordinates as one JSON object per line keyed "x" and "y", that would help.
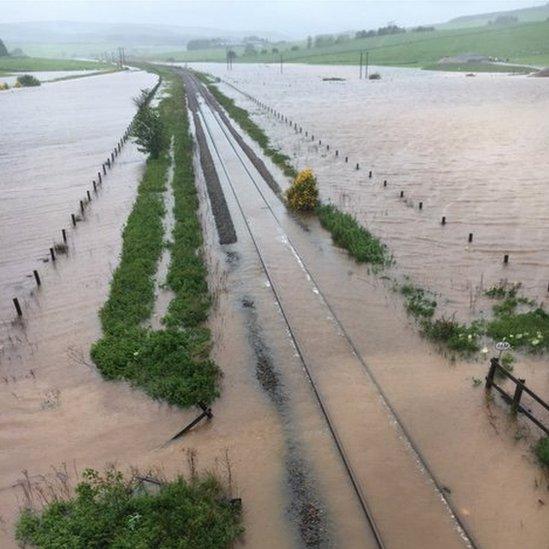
{"x": 479, "y": 454}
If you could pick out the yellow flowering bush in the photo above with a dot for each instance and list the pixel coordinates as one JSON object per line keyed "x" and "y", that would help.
{"x": 303, "y": 193}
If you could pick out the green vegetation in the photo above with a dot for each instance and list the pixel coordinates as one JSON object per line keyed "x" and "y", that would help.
{"x": 542, "y": 451}
{"x": 32, "y": 64}
{"x": 517, "y": 319}
{"x": 524, "y": 43}
{"x": 3, "y": 50}
{"x": 242, "y": 117}
{"x": 148, "y": 131}
{"x": 171, "y": 364}
{"x": 187, "y": 272}
{"x": 419, "y": 303}
{"x": 453, "y": 335}
{"x": 302, "y": 195}
{"x": 523, "y": 15}
{"x": 27, "y": 81}
{"x": 112, "y": 511}
{"x": 349, "y": 234}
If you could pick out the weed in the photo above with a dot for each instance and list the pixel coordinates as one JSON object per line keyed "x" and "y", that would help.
{"x": 455, "y": 336}
{"x": 542, "y": 451}
{"x": 418, "y": 303}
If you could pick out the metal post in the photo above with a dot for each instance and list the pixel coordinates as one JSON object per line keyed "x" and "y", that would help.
{"x": 360, "y": 69}
{"x": 366, "y": 67}
{"x": 37, "y": 277}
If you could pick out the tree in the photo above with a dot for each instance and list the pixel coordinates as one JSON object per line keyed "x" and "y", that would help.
{"x": 309, "y": 42}
{"x": 250, "y": 50}
{"x": 3, "y": 50}
{"x": 148, "y": 132}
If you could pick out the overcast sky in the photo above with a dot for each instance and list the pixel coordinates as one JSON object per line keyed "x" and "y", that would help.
{"x": 293, "y": 17}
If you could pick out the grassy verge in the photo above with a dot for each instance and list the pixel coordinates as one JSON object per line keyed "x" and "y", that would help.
{"x": 33, "y": 64}
{"x": 171, "y": 364}
{"x": 112, "y": 511}
{"x": 349, "y": 234}
{"x": 242, "y": 117}
{"x": 94, "y": 73}
{"x": 187, "y": 272}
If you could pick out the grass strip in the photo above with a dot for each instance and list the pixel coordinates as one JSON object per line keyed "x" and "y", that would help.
{"x": 111, "y": 511}
{"x": 39, "y": 64}
{"x": 349, "y": 234}
{"x": 186, "y": 272}
{"x": 242, "y": 117}
{"x": 171, "y": 364}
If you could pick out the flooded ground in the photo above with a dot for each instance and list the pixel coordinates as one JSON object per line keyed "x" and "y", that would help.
{"x": 43, "y": 76}
{"x": 479, "y": 454}
{"x": 470, "y": 149}
{"x": 54, "y": 140}
{"x": 55, "y": 408}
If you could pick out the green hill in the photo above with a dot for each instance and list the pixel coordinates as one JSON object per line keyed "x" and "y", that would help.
{"x": 520, "y": 44}
{"x": 524, "y": 15}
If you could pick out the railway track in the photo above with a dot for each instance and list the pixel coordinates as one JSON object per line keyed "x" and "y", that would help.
{"x": 195, "y": 89}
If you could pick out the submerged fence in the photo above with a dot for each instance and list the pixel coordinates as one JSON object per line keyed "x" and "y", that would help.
{"x": 515, "y": 399}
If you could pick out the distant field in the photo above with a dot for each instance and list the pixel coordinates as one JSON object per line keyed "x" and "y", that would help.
{"x": 31, "y": 64}
{"x": 525, "y": 43}
{"x": 524, "y": 15}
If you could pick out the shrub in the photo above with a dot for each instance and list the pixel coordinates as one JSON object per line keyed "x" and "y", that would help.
{"x": 111, "y": 511}
{"x": 26, "y": 81}
{"x": 303, "y": 193}
{"x": 542, "y": 451}
{"x": 4, "y": 86}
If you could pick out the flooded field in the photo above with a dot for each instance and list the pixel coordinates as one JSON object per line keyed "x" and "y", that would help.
{"x": 331, "y": 315}
{"x": 54, "y": 139}
{"x": 471, "y": 149}
{"x": 43, "y": 76}
{"x": 474, "y": 447}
